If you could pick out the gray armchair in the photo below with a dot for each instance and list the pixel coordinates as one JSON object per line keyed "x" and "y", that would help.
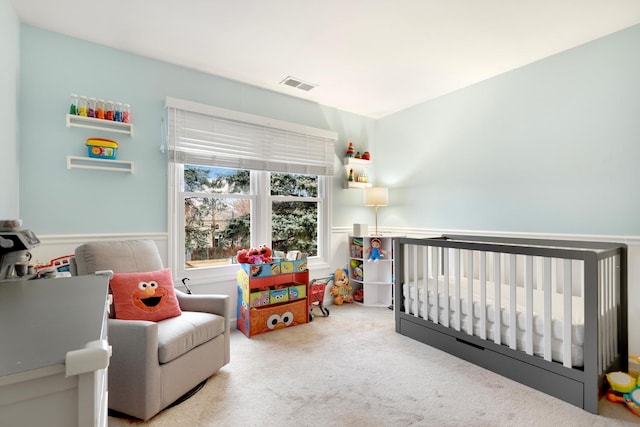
{"x": 155, "y": 363}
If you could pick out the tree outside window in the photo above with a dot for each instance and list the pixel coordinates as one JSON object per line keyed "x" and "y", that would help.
{"x": 218, "y": 213}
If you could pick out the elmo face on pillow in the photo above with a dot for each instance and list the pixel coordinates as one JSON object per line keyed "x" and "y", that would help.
{"x": 149, "y": 296}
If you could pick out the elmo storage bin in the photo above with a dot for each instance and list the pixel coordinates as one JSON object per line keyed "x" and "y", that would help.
{"x": 267, "y": 301}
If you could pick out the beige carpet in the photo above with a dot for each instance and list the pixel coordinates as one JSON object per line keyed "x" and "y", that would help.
{"x": 352, "y": 369}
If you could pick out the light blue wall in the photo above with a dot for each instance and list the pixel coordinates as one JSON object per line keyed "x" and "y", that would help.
{"x": 552, "y": 147}
{"x": 9, "y": 74}
{"x": 55, "y": 200}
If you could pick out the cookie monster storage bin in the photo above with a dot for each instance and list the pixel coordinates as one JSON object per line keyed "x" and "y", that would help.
{"x": 100, "y": 148}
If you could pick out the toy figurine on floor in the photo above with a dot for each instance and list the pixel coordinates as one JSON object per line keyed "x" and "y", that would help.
{"x": 624, "y": 389}
{"x": 375, "y": 251}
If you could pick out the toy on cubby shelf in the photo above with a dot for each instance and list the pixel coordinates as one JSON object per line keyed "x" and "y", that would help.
{"x": 366, "y": 156}
{"x": 375, "y": 250}
{"x": 356, "y": 270}
{"x": 351, "y": 151}
{"x": 341, "y": 290}
{"x": 356, "y": 247}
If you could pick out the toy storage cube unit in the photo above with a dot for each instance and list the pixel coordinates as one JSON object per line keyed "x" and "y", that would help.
{"x": 268, "y": 301}
{"x": 371, "y": 268}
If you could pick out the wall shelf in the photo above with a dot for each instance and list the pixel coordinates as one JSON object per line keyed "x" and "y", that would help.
{"x": 75, "y": 162}
{"x": 99, "y": 124}
{"x": 360, "y": 168}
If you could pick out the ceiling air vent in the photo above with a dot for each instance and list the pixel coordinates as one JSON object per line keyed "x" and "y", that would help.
{"x": 297, "y": 83}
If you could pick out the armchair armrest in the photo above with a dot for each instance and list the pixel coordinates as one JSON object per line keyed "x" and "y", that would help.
{"x": 134, "y": 355}
{"x": 208, "y": 303}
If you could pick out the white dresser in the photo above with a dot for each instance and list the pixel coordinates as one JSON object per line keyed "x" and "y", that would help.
{"x": 54, "y": 352}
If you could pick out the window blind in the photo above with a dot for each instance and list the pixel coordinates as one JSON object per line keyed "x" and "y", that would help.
{"x": 210, "y": 136}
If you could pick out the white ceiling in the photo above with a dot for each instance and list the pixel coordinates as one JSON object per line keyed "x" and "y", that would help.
{"x": 370, "y": 57}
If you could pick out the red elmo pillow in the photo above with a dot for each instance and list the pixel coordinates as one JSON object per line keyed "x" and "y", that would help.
{"x": 144, "y": 296}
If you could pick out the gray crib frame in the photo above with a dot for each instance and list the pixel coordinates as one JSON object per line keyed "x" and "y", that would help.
{"x": 581, "y": 387}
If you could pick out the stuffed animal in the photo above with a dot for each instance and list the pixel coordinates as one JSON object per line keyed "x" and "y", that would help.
{"x": 341, "y": 290}
{"x": 375, "y": 251}
{"x": 255, "y": 257}
{"x": 266, "y": 252}
{"x": 243, "y": 256}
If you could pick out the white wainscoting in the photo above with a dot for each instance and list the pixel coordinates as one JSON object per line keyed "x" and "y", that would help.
{"x": 53, "y": 246}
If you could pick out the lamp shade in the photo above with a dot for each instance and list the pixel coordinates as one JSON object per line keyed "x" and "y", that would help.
{"x": 376, "y": 196}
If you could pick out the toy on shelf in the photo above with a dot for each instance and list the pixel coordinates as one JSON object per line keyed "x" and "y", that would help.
{"x": 366, "y": 156}
{"x": 356, "y": 247}
{"x": 260, "y": 255}
{"x": 375, "y": 251}
{"x": 356, "y": 270}
{"x": 350, "y": 150}
{"x": 341, "y": 290}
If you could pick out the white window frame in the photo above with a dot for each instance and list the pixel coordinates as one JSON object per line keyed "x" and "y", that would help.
{"x": 261, "y": 202}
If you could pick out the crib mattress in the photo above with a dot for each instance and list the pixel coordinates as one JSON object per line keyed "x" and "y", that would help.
{"x": 433, "y": 313}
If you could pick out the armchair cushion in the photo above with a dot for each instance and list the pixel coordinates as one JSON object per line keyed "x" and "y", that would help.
{"x": 179, "y": 335}
{"x": 144, "y": 296}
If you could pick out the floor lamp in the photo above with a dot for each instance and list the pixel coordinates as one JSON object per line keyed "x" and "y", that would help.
{"x": 376, "y": 197}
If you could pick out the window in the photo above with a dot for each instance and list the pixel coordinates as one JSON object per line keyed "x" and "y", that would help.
{"x": 239, "y": 181}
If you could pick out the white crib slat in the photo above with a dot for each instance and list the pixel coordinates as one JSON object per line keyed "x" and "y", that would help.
{"x": 566, "y": 321}
{"x": 497, "y": 302}
{"x": 445, "y": 275}
{"x": 547, "y": 307}
{"x": 436, "y": 291}
{"x": 483, "y": 295}
{"x": 528, "y": 286}
{"x": 615, "y": 281}
{"x": 415, "y": 304}
{"x": 512, "y": 302}
{"x": 425, "y": 282}
{"x": 602, "y": 350}
{"x": 606, "y": 340}
{"x": 469, "y": 292}
{"x": 457, "y": 296}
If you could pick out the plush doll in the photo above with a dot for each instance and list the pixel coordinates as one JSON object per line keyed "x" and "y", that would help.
{"x": 255, "y": 257}
{"x": 243, "y": 256}
{"x": 266, "y": 252}
{"x": 375, "y": 251}
{"x": 341, "y": 290}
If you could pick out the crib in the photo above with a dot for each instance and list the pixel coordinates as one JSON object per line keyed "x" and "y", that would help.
{"x": 550, "y": 314}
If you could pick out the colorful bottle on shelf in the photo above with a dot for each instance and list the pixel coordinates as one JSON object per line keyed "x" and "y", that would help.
{"x": 117, "y": 113}
{"x": 83, "y": 108}
{"x": 126, "y": 113}
{"x": 100, "y": 109}
{"x": 91, "y": 112}
{"x": 108, "y": 113}
{"x": 73, "y": 108}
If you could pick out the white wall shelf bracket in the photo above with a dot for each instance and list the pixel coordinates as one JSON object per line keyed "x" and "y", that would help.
{"x": 99, "y": 124}
{"x": 75, "y": 162}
